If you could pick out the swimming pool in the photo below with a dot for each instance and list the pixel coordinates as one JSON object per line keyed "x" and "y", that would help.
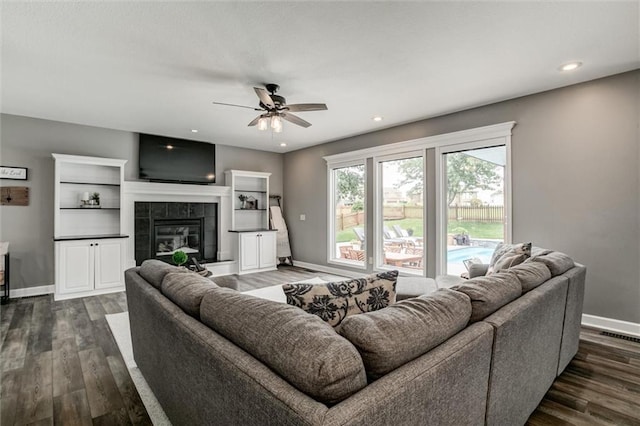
{"x": 457, "y": 255}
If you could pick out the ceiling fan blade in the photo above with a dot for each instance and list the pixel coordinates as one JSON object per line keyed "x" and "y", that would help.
{"x": 234, "y": 105}
{"x": 255, "y": 121}
{"x": 306, "y": 107}
{"x": 264, "y": 97}
{"x": 295, "y": 119}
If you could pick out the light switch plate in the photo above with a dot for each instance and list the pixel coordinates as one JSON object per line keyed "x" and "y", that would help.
{"x": 303, "y": 217}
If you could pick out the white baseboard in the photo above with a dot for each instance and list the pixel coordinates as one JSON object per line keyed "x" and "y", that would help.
{"x": 31, "y": 291}
{"x": 610, "y": 324}
{"x": 328, "y": 269}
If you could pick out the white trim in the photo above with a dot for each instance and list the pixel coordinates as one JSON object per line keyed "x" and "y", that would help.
{"x": 327, "y": 269}
{"x": 462, "y": 136}
{"x": 31, "y": 291}
{"x": 118, "y": 289}
{"x": 610, "y": 324}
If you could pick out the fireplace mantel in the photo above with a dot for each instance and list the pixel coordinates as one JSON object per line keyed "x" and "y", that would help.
{"x": 171, "y": 192}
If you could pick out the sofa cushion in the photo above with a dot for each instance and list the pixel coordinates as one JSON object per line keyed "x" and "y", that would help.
{"x": 186, "y": 290}
{"x": 531, "y": 274}
{"x": 301, "y": 348}
{"x": 153, "y": 271}
{"x": 506, "y": 255}
{"x": 557, "y": 262}
{"x": 490, "y": 293}
{"x": 334, "y": 301}
{"x": 391, "y": 337}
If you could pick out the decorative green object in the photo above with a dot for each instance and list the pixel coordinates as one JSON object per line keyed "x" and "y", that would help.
{"x": 179, "y": 257}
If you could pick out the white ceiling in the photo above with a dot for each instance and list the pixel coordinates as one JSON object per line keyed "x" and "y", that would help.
{"x": 156, "y": 67}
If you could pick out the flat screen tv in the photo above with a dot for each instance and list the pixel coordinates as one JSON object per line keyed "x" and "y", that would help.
{"x": 164, "y": 159}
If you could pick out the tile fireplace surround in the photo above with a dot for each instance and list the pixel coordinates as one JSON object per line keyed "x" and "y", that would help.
{"x": 136, "y": 191}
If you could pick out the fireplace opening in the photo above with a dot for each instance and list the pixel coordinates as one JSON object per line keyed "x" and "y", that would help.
{"x": 161, "y": 228}
{"x": 170, "y": 236}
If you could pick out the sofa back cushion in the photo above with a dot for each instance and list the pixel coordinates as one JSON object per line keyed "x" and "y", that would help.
{"x": 508, "y": 255}
{"x": 153, "y": 271}
{"x": 557, "y": 262}
{"x": 531, "y": 274}
{"x": 186, "y": 290}
{"x": 490, "y": 293}
{"x": 334, "y": 301}
{"x": 390, "y": 337}
{"x": 301, "y": 348}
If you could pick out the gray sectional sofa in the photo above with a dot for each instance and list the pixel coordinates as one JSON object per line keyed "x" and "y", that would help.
{"x": 483, "y": 352}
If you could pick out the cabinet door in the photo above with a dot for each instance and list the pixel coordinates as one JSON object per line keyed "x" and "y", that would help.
{"x": 249, "y": 251}
{"x": 109, "y": 271}
{"x": 267, "y": 249}
{"x": 76, "y": 266}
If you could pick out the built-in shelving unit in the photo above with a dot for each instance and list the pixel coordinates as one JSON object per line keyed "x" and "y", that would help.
{"x": 253, "y": 212}
{"x": 89, "y": 244}
{"x": 255, "y": 245}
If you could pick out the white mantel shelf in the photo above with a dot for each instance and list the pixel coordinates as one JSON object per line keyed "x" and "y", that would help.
{"x": 178, "y": 193}
{"x": 175, "y": 189}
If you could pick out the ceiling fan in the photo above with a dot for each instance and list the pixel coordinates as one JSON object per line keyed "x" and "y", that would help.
{"x": 275, "y": 109}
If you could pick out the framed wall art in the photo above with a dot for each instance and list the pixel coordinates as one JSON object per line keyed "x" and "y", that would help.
{"x": 13, "y": 173}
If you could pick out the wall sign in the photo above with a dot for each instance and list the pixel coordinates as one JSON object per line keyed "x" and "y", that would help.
{"x": 15, "y": 173}
{"x": 14, "y": 196}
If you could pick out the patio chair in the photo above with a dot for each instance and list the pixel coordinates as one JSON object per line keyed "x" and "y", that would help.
{"x": 360, "y": 234}
{"x": 357, "y": 255}
{"x": 344, "y": 252}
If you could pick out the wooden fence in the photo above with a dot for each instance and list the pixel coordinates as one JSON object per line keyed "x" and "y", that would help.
{"x": 477, "y": 214}
{"x": 346, "y": 219}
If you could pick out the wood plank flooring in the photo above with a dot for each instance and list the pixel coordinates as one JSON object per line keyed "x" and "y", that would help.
{"x": 60, "y": 365}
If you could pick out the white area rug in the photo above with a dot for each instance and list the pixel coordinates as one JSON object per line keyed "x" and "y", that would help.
{"x": 119, "y": 325}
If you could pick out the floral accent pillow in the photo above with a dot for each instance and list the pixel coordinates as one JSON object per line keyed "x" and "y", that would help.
{"x": 333, "y": 302}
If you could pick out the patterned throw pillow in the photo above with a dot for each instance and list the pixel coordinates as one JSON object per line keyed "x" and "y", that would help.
{"x": 508, "y": 255}
{"x": 333, "y": 302}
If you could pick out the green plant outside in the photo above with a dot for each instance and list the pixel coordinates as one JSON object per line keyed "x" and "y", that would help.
{"x": 476, "y": 229}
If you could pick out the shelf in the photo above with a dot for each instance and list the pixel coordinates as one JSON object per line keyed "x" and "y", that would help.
{"x": 89, "y": 237}
{"x": 89, "y": 209}
{"x": 250, "y": 190}
{"x": 90, "y": 183}
{"x": 250, "y": 210}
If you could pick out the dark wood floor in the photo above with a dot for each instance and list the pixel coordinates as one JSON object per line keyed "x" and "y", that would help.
{"x": 60, "y": 365}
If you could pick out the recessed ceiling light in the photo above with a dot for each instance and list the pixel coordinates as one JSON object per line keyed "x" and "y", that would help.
{"x": 283, "y": 144}
{"x": 376, "y": 118}
{"x": 169, "y": 146}
{"x": 571, "y": 66}
{"x": 194, "y": 130}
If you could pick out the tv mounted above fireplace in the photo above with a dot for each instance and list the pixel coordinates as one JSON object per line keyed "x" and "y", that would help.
{"x": 164, "y": 159}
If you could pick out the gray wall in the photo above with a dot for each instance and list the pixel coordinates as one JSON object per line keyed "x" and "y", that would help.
{"x": 576, "y": 172}
{"x": 29, "y": 142}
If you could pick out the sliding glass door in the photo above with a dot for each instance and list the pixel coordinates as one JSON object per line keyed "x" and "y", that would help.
{"x": 400, "y": 213}
{"x": 475, "y": 202}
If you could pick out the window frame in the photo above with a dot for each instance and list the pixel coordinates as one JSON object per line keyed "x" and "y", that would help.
{"x": 331, "y": 216}
{"x": 441, "y": 189}
{"x": 378, "y": 215}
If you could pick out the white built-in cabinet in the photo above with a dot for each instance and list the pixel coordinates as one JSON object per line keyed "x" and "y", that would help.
{"x": 90, "y": 250}
{"x": 256, "y": 251}
{"x": 255, "y": 246}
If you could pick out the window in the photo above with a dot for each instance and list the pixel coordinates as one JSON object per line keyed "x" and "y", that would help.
{"x": 474, "y": 204}
{"x": 438, "y": 201}
{"x": 400, "y": 213}
{"x": 348, "y": 220}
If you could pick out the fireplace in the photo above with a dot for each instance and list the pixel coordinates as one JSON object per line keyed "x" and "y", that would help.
{"x": 171, "y": 235}
{"x": 163, "y": 228}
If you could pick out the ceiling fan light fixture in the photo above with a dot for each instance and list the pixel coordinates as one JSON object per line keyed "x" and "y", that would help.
{"x": 276, "y": 123}
{"x": 263, "y": 123}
